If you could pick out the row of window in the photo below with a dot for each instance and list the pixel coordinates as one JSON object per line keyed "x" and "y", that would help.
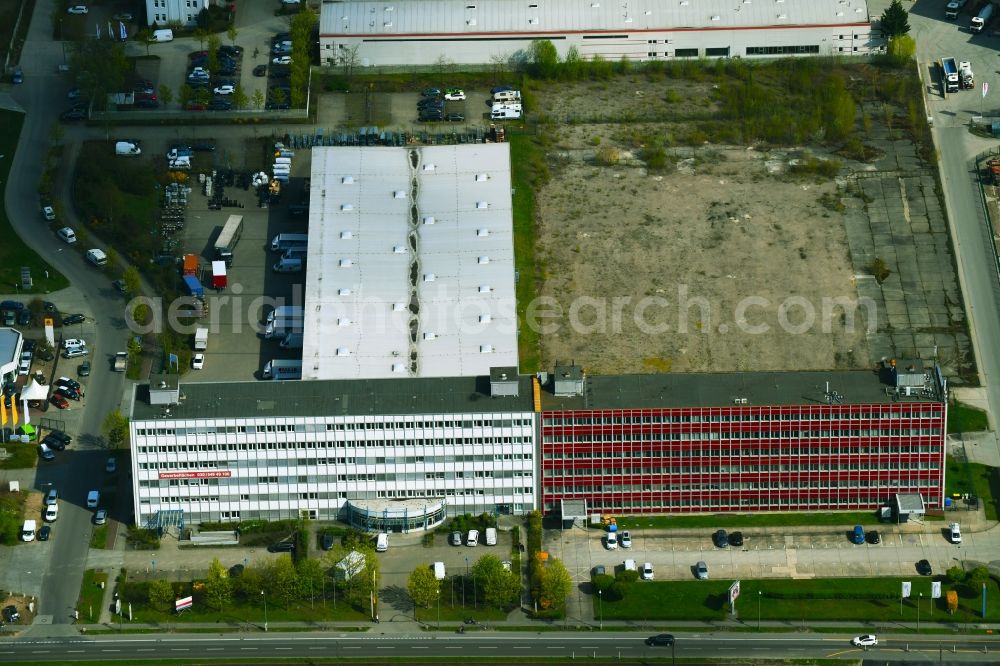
{"x": 894, "y": 465}
{"x": 703, "y": 487}
{"x": 284, "y": 446}
{"x": 555, "y": 419}
{"x": 339, "y": 496}
{"x": 331, "y": 478}
{"x": 304, "y": 462}
{"x": 788, "y": 449}
{"x": 667, "y": 504}
{"x": 499, "y": 422}
{"x": 785, "y": 435}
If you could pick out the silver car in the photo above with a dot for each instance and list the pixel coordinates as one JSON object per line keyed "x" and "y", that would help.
{"x": 701, "y": 571}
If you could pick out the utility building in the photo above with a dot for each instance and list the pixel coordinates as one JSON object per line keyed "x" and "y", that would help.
{"x": 423, "y": 32}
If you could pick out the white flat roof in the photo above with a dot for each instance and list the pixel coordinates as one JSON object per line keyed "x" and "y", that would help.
{"x": 410, "y": 268}
{"x": 483, "y": 17}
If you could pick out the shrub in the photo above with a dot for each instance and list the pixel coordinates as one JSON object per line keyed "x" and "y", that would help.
{"x": 608, "y": 156}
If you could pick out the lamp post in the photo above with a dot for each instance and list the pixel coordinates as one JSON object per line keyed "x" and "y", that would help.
{"x": 439, "y": 607}
{"x": 265, "y": 609}
{"x": 920, "y": 597}
{"x": 600, "y": 606}
{"x": 464, "y": 582}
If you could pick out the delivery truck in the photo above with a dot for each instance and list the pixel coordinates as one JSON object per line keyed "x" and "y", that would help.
{"x": 952, "y": 9}
{"x": 219, "y": 279}
{"x": 292, "y": 341}
{"x": 949, "y": 75}
{"x": 279, "y": 328}
{"x": 285, "y": 312}
{"x": 282, "y": 369}
{"x": 194, "y": 286}
{"x": 982, "y": 18}
{"x": 121, "y": 361}
{"x": 201, "y": 339}
{"x": 228, "y": 238}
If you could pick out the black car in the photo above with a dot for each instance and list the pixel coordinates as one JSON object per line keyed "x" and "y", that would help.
{"x": 45, "y": 354}
{"x": 503, "y": 88}
{"x": 924, "y": 568}
{"x": 280, "y": 73}
{"x": 83, "y": 370}
{"x": 720, "y": 539}
{"x": 220, "y": 105}
{"x": 281, "y": 547}
{"x": 236, "y": 570}
{"x": 10, "y": 614}
{"x": 327, "y": 541}
{"x": 277, "y": 106}
{"x": 147, "y": 104}
{"x": 54, "y": 443}
{"x": 66, "y": 381}
{"x": 260, "y": 70}
{"x": 431, "y": 92}
{"x": 873, "y": 537}
{"x": 71, "y": 319}
{"x": 599, "y": 570}
{"x": 736, "y": 539}
{"x": 661, "y": 640}
{"x": 204, "y": 147}
{"x": 24, "y": 318}
{"x": 430, "y": 117}
{"x": 43, "y": 534}
{"x": 67, "y": 393}
{"x": 61, "y": 436}
{"x": 227, "y": 71}
{"x": 230, "y": 51}
{"x": 73, "y": 114}
{"x": 15, "y": 306}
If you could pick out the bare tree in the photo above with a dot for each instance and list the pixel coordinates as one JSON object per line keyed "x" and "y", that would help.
{"x": 349, "y": 59}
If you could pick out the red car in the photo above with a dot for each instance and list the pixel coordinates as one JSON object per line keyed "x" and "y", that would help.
{"x": 198, "y": 54}
{"x": 195, "y": 106}
{"x": 59, "y": 401}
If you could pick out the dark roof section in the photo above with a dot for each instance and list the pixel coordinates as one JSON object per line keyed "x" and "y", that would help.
{"x": 730, "y": 389}
{"x": 430, "y": 395}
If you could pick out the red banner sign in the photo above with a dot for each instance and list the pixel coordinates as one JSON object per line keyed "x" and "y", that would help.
{"x": 220, "y": 474}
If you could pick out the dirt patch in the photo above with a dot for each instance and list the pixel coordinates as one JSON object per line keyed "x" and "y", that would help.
{"x": 653, "y": 271}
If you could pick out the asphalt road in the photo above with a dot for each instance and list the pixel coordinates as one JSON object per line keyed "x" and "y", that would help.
{"x": 604, "y": 647}
{"x": 42, "y": 95}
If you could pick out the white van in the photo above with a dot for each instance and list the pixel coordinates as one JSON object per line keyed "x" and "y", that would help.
{"x": 630, "y": 565}
{"x": 438, "y": 570}
{"x": 507, "y": 96}
{"x": 382, "y": 542}
{"x": 285, "y": 265}
{"x": 179, "y": 164}
{"x": 163, "y": 35}
{"x": 505, "y": 113}
{"x": 93, "y": 498}
{"x": 282, "y": 242}
{"x": 491, "y": 536}
{"x": 473, "y": 538}
{"x": 97, "y": 257}
{"x": 127, "y": 149}
{"x": 28, "y": 531}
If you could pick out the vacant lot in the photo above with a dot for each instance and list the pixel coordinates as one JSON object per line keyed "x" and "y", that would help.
{"x": 715, "y": 223}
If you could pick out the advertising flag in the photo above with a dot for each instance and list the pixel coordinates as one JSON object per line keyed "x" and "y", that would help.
{"x": 986, "y": 88}
{"x": 183, "y": 604}
{"x": 734, "y": 592}
{"x": 907, "y": 586}
{"x": 936, "y": 589}
{"x": 122, "y": 32}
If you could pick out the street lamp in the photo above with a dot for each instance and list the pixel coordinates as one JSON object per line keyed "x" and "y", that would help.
{"x": 600, "y": 606}
{"x": 466, "y": 581}
{"x": 439, "y": 606}
{"x": 920, "y": 597}
{"x": 265, "y": 609}
{"x": 760, "y": 593}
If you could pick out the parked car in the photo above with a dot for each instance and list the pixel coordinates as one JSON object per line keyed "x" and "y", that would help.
{"x": 611, "y": 541}
{"x": 67, "y": 235}
{"x": 701, "y": 571}
{"x": 224, "y": 89}
{"x": 736, "y": 539}
{"x": 454, "y": 94}
{"x": 18, "y": 76}
{"x": 198, "y": 362}
{"x": 74, "y": 352}
{"x": 124, "y": 17}
{"x": 77, "y": 9}
{"x": 955, "y": 533}
{"x": 59, "y": 401}
{"x": 647, "y": 571}
{"x": 71, "y": 319}
{"x": 67, "y": 393}
{"x": 83, "y": 370}
{"x": 455, "y": 538}
{"x": 44, "y": 533}
{"x": 873, "y": 537}
{"x": 326, "y": 542}
{"x": 260, "y": 70}
{"x": 282, "y": 60}
{"x": 231, "y": 51}
{"x": 455, "y": 118}
{"x": 599, "y": 570}
{"x": 10, "y": 614}
{"x": 431, "y": 92}
{"x": 69, "y": 343}
{"x": 281, "y": 547}
{"x": 101, "y": 517}
{"x": 54, "y": 443}
{"x": 924, "y": 568}
{"x": 626, "y": 539}
{"x": 501, "y": 88}
{"x": 111, "y": 466}
{"x": 73, "y": 114}
{"x": 73, "y": 93}
{"x": 69, "y": 383}
{"x": 720, "y": 539}
{"x": 858, "y": 535}
{"x": 867, "y": 640}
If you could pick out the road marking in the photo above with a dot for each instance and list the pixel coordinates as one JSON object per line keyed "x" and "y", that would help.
{"x": 282, "y": 648}
{"x": 248, "y": 648}
{"x": 215, "y": 649}
{"x": 110, "y": 650}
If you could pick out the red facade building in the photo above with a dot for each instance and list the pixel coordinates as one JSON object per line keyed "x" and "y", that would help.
{"x": 809, "y": 441}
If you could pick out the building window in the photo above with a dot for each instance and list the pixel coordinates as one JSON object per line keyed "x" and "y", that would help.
{"x": 722, "y": 52}
{"x": 783, "y": 50}
{"x": 686, "y": 53}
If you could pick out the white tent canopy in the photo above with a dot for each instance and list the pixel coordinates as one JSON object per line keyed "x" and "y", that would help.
{"x": 34, "y": 391}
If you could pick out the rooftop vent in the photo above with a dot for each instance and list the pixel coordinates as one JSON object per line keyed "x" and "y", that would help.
{"x": 387, "y": 24}
{"x": 485, "y": 289}
{"x": 716, "y": 17}
{"x": 398, "y": 249}
{"x": 399, "y": 367}
{"x": 429, "y": 219}
{"x": 429, "y": 277}
{"x": 484, "y": 260}
{"x": 346, "y": 263}
{"x": 485, "y": 349}
{"x": 346, "y": 206}
{"x": 430, "y": 335}
{"x": 343, "y": 322}
{"x": 347, "y": 180}
{"x": 399, "y": 194}
{"x": 343, "y": 351}
{"x": 471, "y": 21}
{"x": 344, "y": 292}
{"x": 485, "y": 318}
{"x": 482, "y": 232}
{"x": 482, "y": 177}
{"x": 398, "y": 307}
{"x": 346, "y": 234}
{"x": 428, "y": 167}
{"x": 482, "y": 204}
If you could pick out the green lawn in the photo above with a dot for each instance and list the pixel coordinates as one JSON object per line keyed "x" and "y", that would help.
{"x": 240, "y": 611}
{"x": 982, "y": 480}
{"x": 22, "y": 456}
{"x": 455, "y": 607}
{"x": 874, "y": 600}
{"x": 91, "y": 595}
{"x": 527, "y": 160}
{"x": 962, "y": 418}
{"x": 13, "y": 252}
{"x": 99, "y": 537}
{"x": 741, "y": 520}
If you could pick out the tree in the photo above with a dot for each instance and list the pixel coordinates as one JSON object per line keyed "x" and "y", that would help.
{"x": 213, "y": 52}
{"x": 115, "y": 429}
{"x": 349, "y": 59}
{"x": 145, "y": 36}
{"x": 281, "y": 580}
{"x": 902, "y": 50}
{"x": 553, "y": 584}
{"x": 258, "y": 99}
{"x": 185, "y": 95}
{"x": 131, "y": 280}
{"x": 166, "y": 94}
{"x": 545, "y": 59}
{"x": 218, "y": 585}
{"x": 500, "y": 587}
{"x": 977, "y": 577}
{"x": 573, "y": 65}
{"x": 499, "y": 62}
{"x": 239, "y": 97}
{"x": 161, "y": 594}
{"x": 310, "y": 577}
{"x": 201, "y": 35}
{"x": 100, "y": 66}
{"x": 895, "y": 20}
{"x": 56, "y": 133}
{"x": 423, "y": 587}
{"x": 232, "y": 33}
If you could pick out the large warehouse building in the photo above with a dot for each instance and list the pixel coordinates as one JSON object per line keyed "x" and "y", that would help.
{"x": 410, "y": 263}
{"x": 403, "y": 454}
{"x": 785, "y": 441}
{"x": 424, "y": 32}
